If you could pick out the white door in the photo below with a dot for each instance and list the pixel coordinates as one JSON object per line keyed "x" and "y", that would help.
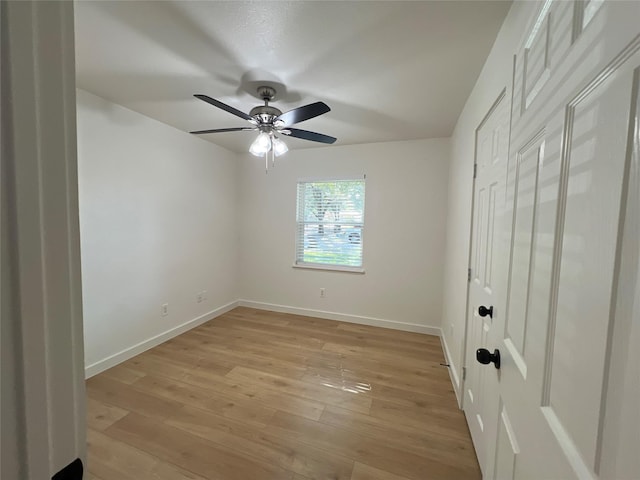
{"x": 568, "y": 338}
{"x": 492, "y": 142}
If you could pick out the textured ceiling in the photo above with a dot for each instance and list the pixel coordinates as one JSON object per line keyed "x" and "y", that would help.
{"x": 389, "y": 70}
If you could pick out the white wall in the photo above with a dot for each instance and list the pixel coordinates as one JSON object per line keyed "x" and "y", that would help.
{"x": 165, "y": 215}
{"x": 158, "y": 210}
{"x": 405, "y": 215}
{"x": 495, "y": 76}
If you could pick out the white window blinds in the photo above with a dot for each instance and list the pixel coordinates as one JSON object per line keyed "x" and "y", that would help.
{"x": 330, "y": 223}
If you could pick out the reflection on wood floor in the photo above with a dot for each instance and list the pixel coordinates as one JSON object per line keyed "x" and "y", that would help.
{"x": 257, "y": 395}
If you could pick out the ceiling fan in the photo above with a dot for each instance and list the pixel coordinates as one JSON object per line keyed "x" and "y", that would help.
{"x": 271, "y": 122}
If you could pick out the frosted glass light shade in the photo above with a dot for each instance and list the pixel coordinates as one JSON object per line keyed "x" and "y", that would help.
{"x": 279, "y": 147}
{"x": 260, "y": 145}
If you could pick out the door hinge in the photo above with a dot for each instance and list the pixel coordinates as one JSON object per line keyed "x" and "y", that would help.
{"x": 464, "y": 373}
{"x": 475, "y": 170}
{"x": 468, "y": 274}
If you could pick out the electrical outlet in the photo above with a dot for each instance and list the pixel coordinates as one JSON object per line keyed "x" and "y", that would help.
{"x": 322, "y": 293}
{"x": 204, "y": 295}
{"x": 199, "y": 297}
{"x": 164, "y": 309}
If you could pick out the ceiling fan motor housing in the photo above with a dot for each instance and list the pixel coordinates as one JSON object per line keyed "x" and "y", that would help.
{"x": 265, "y": 113}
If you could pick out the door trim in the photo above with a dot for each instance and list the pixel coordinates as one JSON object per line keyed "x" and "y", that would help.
{"x": 41, "y": 243}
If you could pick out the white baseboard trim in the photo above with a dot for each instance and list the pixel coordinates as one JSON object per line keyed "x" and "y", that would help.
{"x": 453, "y": 371}
{"x": 126, "y": 354}
{"x": 343, "y": 317}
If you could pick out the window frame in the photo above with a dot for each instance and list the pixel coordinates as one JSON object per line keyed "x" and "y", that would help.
{"x": 361, "y": 226}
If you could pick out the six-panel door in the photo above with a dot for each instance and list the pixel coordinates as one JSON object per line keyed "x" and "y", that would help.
{"x": 569, "y": 197}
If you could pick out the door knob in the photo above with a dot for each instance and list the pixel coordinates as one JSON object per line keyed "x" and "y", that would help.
{"x": 484, "y": 311}
{"x": 485, "y": 357}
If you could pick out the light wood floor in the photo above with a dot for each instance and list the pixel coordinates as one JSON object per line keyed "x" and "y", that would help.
{"x": 255, "y": 395}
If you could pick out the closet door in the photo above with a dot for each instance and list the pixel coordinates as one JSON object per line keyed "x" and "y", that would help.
{"x": 485, "y": 284}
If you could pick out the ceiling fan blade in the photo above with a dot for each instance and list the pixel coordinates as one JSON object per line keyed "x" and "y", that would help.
{"x": 221, "y": 130}
{"x": 307, "y": 135}
{"x": 224, "y": 106}
{"x": 303, "y": 113}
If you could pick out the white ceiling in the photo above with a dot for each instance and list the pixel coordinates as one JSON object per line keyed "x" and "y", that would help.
{"x": 389, "y": 70}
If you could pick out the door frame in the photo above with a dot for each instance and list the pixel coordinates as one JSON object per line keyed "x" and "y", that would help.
{"x": 42, "y": 299}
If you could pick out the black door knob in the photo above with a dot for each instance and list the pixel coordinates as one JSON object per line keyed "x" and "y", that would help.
{"x": 485, "y": 357}
{"x": 484, "y": 311}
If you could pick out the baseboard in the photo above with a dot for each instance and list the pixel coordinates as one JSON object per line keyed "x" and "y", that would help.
{"x": 343, "y": 317}
{"x": 115, "y": 359}
{"x": 453, "y": 371}
{"x": 131, "y": 352}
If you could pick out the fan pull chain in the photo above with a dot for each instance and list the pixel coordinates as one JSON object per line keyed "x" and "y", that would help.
{"x": 266, "y": 159}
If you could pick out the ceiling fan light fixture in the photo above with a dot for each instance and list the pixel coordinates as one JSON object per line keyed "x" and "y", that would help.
{"x": 279, "y": 147}
{"x": 261, "y": 145}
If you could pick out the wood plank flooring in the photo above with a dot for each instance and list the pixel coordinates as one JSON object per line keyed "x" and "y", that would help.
{"x": 256, "y": 395}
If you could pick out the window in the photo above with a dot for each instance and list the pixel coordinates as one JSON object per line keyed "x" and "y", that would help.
{"x": 330, "y": 224}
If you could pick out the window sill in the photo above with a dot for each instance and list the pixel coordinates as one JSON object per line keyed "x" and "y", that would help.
{"x": 331, "y": 268}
